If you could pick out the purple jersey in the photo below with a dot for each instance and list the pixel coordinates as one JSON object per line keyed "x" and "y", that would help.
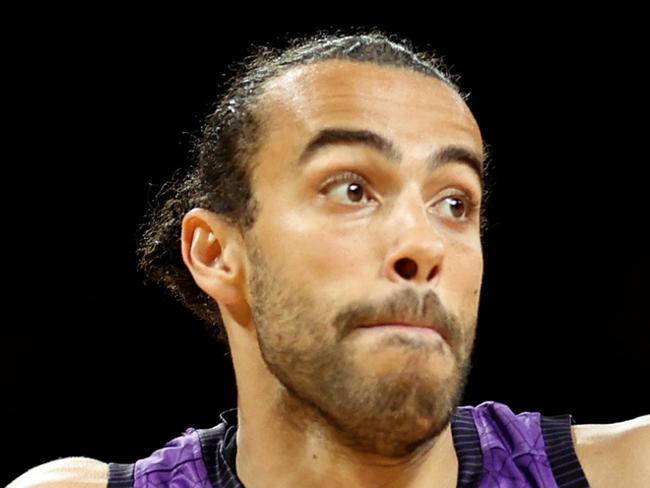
{"x": 495, "y": 448}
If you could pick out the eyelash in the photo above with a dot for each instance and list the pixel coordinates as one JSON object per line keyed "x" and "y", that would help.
{"x": 348, "y": 176}
{"x": 343, "y": 178}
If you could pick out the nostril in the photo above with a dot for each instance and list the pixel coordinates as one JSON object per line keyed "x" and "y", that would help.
{"x": 407, "y": 268}
{"x": 432, "y": 273}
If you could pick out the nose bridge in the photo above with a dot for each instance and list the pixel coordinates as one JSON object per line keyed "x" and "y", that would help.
{"x": 410, "y": 208}
{"x": 416, "y": 248}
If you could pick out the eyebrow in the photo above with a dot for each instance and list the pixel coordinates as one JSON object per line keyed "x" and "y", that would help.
{"x": 332, "y": 136}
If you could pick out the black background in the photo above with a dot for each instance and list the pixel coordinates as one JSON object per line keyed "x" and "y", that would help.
{"x": 107, "y": 367}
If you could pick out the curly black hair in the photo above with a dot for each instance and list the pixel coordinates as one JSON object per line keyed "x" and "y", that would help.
{"x": 218, "y": 178}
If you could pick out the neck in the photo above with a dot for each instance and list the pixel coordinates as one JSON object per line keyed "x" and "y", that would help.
{"x": 280, "y": 442}
{"x": 303, "y": 450}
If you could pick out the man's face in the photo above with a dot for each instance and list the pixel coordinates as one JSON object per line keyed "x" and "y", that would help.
{"x": 393, "y": 240}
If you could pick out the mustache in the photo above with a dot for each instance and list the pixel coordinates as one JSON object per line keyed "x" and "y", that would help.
{"x": 405, "y": 304}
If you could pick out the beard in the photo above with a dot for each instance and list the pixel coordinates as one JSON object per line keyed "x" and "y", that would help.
{"x": 328, "y": 384}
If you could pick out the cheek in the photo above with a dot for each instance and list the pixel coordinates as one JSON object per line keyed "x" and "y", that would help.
{"x": 312, "y": 249}
{"x": 465, "y": 272}
{"x": 332, "y": 254}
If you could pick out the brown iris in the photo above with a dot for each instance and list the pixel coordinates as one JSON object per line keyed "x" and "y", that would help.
{"x": 355, "y": 192}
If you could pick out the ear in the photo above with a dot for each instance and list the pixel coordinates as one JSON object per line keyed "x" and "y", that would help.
{"x": 213, "y": 251}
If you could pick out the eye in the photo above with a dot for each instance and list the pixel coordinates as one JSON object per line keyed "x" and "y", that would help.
{"x": 457, "y": 207}
{"x": 347, "y": 188}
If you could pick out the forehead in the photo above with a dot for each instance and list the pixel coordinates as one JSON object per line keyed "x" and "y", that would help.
{"x": 414, "y": 111}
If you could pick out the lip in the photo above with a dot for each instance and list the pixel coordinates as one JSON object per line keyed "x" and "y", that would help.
{"x": 433, "y": 327}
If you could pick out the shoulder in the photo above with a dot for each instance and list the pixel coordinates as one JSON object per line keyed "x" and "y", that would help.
{"x": 71, "y": 472}
{"x": 615, "y": 454}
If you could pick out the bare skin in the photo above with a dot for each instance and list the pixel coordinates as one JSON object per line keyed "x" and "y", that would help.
{"x": 311, "y": 387}
{"x": 321, "y": 401}
{"x": 615, "y": 454}
{"x": 611, "y": 455}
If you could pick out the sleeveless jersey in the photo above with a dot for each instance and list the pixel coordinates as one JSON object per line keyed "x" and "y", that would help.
{"x": 495, "y": 448}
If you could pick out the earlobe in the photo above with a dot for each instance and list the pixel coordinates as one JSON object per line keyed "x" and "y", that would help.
{"x": 212, "y": 251}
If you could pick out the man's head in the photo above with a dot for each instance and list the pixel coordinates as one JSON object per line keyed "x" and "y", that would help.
{"x": 352, "y": 181}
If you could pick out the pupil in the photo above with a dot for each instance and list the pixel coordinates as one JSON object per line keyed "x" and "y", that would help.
{"x": 354, "y": 192}
{"x": 457, "y": 205}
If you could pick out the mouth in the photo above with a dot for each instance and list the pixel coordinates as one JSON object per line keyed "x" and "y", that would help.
{"x": 407, "y": 326}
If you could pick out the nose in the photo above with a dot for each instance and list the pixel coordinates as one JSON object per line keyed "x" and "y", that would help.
{"x": 417, "y": 249}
